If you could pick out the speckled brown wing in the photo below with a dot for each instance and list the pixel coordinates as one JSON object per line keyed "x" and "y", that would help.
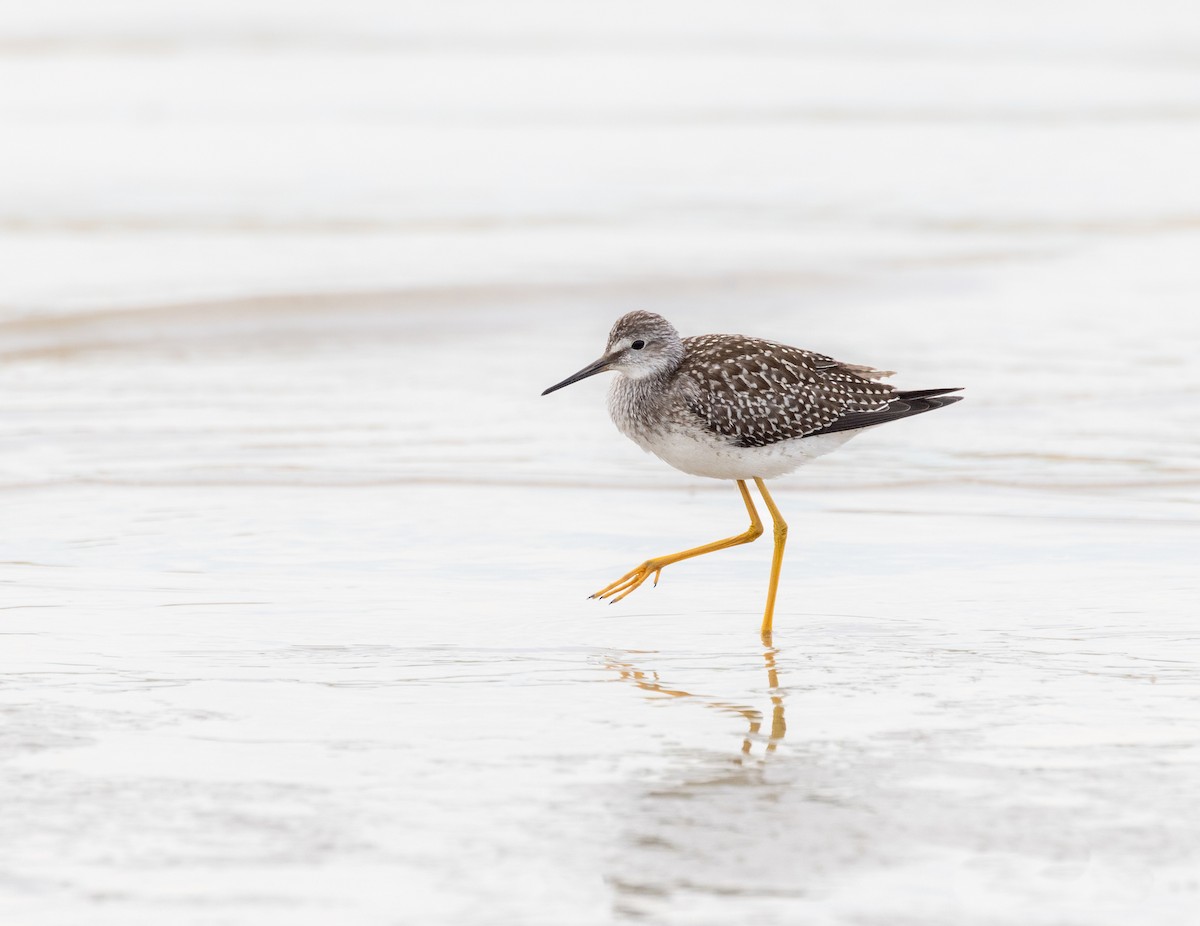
{"x": 759, "y": 392}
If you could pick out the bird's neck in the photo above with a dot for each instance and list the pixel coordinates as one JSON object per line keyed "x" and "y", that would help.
{"x": 635, "y": 404}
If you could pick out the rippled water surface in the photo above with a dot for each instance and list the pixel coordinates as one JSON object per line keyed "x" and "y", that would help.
{"x": 295, "y": 557}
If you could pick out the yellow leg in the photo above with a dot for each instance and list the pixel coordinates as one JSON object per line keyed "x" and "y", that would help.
{"x": 652, "y": 567}
{"x": 781, "y": 530}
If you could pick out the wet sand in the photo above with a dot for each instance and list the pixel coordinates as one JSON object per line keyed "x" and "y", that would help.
{"x": 295, "y": 559}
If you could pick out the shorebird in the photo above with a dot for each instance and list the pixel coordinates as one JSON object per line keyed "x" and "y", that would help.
{"x": 727, "y": 406}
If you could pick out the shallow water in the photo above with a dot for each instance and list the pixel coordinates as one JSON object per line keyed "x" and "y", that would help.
{"x": 294, "y": 571}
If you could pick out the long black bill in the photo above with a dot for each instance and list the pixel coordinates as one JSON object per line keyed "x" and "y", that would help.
{"x": 590, "y": 370}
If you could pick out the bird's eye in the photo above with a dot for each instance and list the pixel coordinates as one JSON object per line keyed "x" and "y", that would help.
{"x": 638, "y": 344}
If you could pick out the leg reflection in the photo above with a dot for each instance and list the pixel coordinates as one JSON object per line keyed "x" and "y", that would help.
{"x": 649, "y": 680}
{"x": 778, "y": 723}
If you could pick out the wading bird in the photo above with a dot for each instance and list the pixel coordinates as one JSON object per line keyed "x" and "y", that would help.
{"x": 732, "y": 407}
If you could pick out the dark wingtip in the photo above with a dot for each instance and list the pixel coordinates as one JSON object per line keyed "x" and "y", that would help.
{"x": 928, "y": 403}
{"x": 929, "y": 393}
{"x": 907, "y": 404}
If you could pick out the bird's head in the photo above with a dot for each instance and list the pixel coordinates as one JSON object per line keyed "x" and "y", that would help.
{"x": 640, "y": 344}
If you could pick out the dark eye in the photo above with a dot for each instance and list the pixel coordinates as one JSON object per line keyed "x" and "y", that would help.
{"x": 638, "y": 344}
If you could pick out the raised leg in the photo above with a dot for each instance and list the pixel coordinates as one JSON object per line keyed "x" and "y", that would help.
{"x": 652, "y": 567}
{"x": 781, "y": 530}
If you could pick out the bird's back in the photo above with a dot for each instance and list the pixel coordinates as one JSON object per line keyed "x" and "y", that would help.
{"x": 758, "y": 392}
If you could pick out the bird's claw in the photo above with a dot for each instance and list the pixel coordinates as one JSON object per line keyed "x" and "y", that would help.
{"x": 630, "y": 581}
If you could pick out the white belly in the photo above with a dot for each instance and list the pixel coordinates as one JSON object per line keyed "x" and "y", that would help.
{"x": 700, "y": 455}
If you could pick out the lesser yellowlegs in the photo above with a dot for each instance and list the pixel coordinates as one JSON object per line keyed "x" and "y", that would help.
{"x": 732, "y": 407}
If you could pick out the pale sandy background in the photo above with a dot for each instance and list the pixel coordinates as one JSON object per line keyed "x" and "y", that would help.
{"x": 294, "y": 558}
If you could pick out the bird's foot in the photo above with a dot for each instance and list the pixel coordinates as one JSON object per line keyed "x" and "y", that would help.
{"x": 631, "y": 580}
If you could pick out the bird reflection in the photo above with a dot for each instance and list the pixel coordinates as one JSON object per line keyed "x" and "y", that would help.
{"x": 649, "y": 680}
